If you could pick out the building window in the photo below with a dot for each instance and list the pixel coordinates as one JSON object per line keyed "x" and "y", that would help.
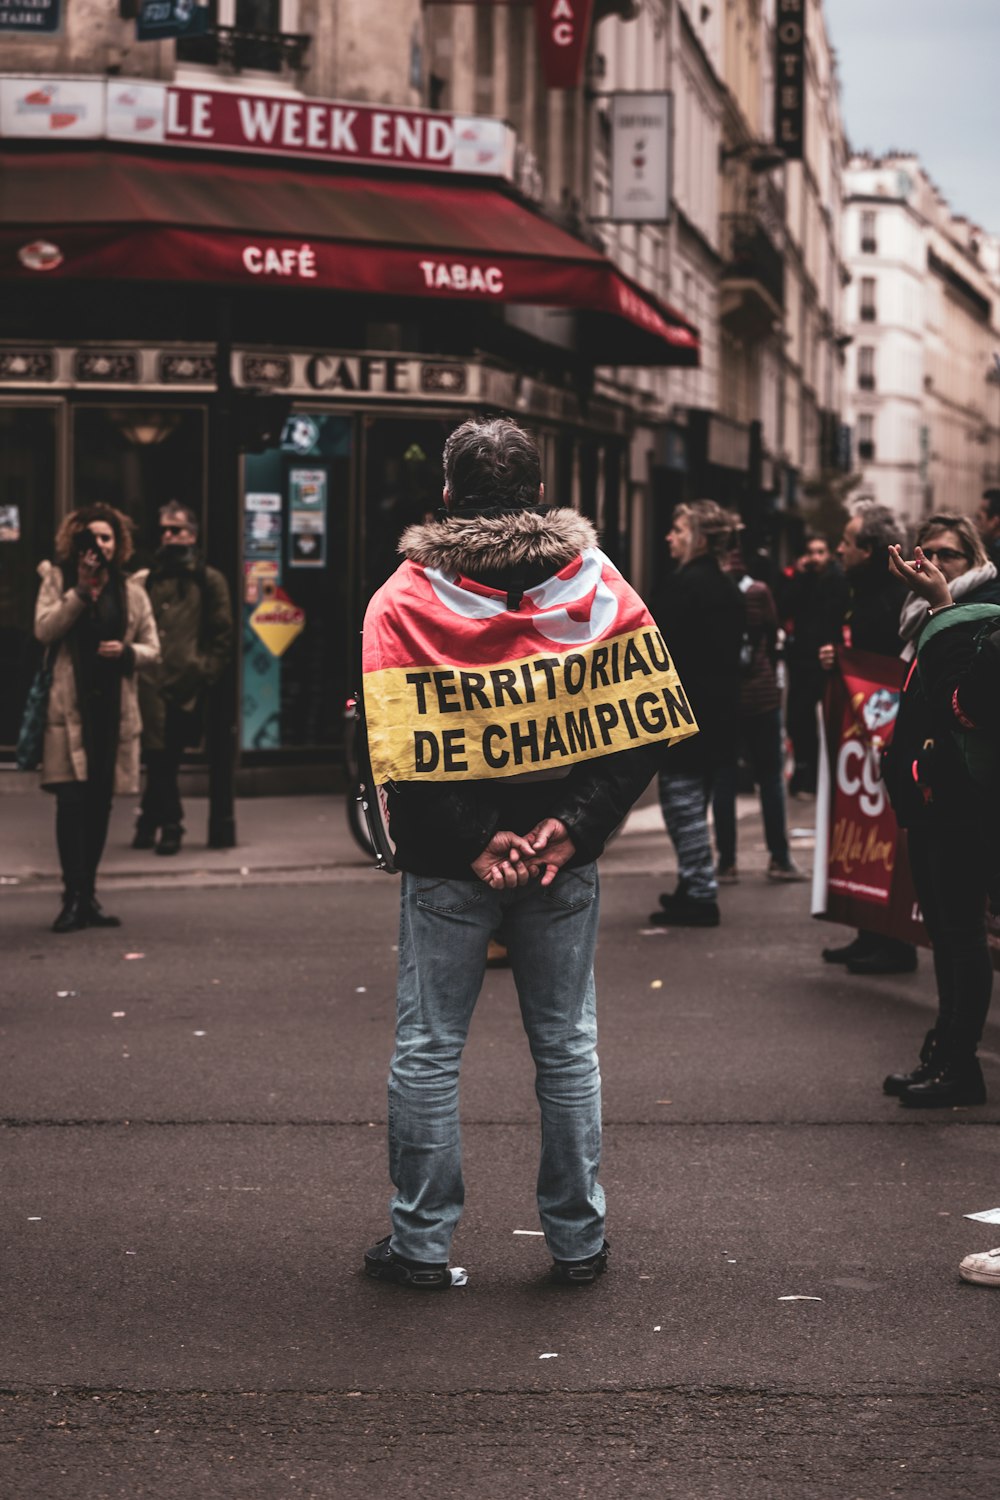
{"x": 866, "y": 436}
{"x": 868, "y": 299}
{"x": 249, "y": 38}
{"x": 866, "y": 368}
{"x": 869, "y": 243}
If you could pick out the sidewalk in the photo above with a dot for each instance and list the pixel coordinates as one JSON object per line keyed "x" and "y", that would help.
{"x": 307, "y": 839}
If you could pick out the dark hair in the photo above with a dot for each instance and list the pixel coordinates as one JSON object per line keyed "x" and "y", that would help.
{"x": 992, "y": 498}
{"x": 80, "y": 519}
{"x": 176, "y": 508}
{"x": 492, "y": 462}
{"x": 879, "y": 529}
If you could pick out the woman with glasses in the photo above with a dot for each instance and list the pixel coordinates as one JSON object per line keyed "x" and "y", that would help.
{"x": 98, "y": 626}
{"x": 952, "y": 543}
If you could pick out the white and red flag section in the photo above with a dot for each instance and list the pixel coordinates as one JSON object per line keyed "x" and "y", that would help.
{"x": 458, "y": 687}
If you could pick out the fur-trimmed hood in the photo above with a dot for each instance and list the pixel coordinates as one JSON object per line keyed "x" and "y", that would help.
{"x": 476, "y": 545}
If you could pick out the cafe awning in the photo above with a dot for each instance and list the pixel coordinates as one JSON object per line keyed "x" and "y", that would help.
{"x": 113, "y": 215}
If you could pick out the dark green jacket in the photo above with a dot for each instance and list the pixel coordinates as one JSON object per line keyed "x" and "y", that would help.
{"x": 194, "y": 618}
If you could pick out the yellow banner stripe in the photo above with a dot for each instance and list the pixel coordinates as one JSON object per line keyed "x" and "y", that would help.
{"x": 541, "y": 712}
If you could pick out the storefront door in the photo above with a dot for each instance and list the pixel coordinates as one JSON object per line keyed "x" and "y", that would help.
{"x": 29, "y": 448}
{"x": 297, "y": 602}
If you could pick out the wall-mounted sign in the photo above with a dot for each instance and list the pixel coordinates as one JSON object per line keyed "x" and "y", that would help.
{"x": 277, "y": 622}
{"x": 563, "y": 29}
{"x": 640, "y": 158}
{"x": 264, "y": 124}
{"x": 30, "y": 15}
{"x": 56, "y": 108}
{"x": 790, "y": 78}
{"x": 158, "y": 19}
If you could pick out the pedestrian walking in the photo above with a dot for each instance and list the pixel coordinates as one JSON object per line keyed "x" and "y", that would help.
{"x": 702, "y": 613}
{"x": 99, "y": 629}
{"x": 942, "y": 772}
{"x": 194, "y": 618}
{"x": 811, "y": 599}
{"x": 760, "y": 737}
{"x": 871, "y": 622}
{"x": 509, "y": 832}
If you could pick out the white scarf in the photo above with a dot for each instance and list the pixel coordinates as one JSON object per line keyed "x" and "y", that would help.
{"x": 913, "y": 615}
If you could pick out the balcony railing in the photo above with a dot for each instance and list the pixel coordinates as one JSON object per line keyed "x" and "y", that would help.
{"x": 237, "y": 48}
{"x": 749, "y": 254}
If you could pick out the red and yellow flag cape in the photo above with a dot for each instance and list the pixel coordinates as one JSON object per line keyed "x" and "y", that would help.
{"x": 458, "y": 687}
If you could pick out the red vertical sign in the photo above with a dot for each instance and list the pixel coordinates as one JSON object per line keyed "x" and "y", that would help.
{"x": 563, "y": 28}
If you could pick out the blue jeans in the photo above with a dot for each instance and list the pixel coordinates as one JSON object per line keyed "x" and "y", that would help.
{"x": 763, "y": 742}
{"x": 684, "y": 804}
{"x": 445, "y": 927}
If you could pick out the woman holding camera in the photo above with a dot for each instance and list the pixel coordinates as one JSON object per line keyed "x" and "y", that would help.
{"x": 99, "y": 628}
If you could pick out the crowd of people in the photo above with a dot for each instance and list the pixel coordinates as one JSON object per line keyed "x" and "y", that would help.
{"x": 132, "y": 655}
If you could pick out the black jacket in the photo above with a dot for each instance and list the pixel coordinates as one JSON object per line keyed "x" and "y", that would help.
{"x": 812, "y": 606}
{"x": 701, "y": 614}
{"x": 875, "y": 598}
{"x": 440, "y": 828}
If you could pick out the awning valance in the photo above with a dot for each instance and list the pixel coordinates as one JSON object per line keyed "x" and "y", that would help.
{"x": 111, "y": 215}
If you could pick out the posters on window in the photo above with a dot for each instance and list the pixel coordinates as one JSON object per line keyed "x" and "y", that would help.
{"x": 307, "y": 518}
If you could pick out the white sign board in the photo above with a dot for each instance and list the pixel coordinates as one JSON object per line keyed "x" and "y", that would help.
{"x": 54, "y": 108}
{"x": 640, "y": 158}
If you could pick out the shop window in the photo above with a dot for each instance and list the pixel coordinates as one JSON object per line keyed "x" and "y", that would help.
{"x": 29, "y": 443}
{"x": 136, "y": 458}
{"x": 298, "y": 653}
{"x": 404, "y": 480}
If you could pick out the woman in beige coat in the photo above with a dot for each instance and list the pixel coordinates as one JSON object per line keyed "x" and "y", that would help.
{"x": 99, "y": 628}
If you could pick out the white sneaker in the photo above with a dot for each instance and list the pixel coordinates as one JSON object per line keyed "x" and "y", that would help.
{"x": 983, "y": 1269}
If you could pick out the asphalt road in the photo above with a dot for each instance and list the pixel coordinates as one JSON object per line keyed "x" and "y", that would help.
{"x": 192, "y": 1153}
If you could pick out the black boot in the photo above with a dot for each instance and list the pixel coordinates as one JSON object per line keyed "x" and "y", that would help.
{"x": 929, "y": 1053}
{"x": 854, "y": 949}
{"x": 955, "y": 1082}
{"x": 94, "y": 914}
{"x": 145, "y": 834}
{"x": 72, "y": 917}
{"x": 170, "y": 839}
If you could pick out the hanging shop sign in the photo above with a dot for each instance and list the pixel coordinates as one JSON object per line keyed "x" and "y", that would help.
{"x": 42, "y": 16}
{"x": 563, "y": 30}
{"x": 159, "y": 19}
{"x": 790, "y": 78}
{"x": 640, "y": 158}
{"x": 263, "y": 124}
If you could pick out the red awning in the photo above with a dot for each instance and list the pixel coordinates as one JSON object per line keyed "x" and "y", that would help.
{"x": 113, "y": 215}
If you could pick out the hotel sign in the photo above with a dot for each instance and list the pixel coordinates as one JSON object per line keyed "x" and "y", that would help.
{"x": 262, "y": 124}
{"x": 790, "y": 77}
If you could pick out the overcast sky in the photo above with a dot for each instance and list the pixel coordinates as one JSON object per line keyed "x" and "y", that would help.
{"x": 924, "y": 76}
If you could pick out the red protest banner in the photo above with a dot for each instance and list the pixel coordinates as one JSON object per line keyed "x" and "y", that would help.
{"x": 862, "y": 874}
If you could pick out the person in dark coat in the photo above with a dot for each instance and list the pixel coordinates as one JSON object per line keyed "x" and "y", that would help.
{"x": 870, "y": 623}
{"x": 194, "y": 618}
{"x": 702, "y": 614}
{"x": 988, "y": 524}
{"x": 760, "y": 739}
{"x": 811, "y": 594}
{"x": 942, "y": 770}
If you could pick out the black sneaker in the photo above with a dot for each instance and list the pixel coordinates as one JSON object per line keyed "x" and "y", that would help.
{"x": 170, "y": 839}
{"x": 686, "y": 913}
{"x": 145, "y": 835}
{"x": 581, "y": 1272}
{"x": 383, "y": 1264}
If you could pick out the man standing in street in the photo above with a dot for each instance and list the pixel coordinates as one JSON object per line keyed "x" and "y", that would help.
{"x": 195, "y": 620}
{"x": 988, "y": 524}
{"x": 516, "y": 691}
{"x": 811, "y": 594}
{"x": 870, "y": 623}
